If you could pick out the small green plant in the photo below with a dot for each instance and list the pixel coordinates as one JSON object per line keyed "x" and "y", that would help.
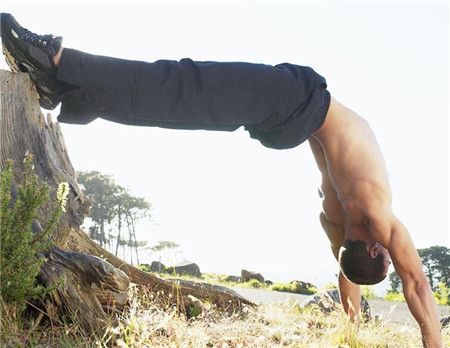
{"x": 442, "y": 295}
{"x": 22, "y": 249}
{"x": 194, "y": 311}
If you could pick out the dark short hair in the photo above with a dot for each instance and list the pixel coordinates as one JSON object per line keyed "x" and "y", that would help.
{"x": 358, "y": 266}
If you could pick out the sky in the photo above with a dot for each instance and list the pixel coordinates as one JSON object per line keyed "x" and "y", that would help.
{"x": 228, "y": 201}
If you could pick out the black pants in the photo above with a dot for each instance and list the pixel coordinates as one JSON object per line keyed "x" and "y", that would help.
{"x": 280, "y": 105}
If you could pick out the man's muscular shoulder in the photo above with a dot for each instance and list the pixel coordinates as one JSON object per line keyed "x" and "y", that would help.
{"x": 366, "y": 201}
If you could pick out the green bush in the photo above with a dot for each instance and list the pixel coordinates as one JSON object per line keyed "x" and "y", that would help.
{"x": 294, "y": 287}
{"x": 395, "y": 296}
{"x": 281, "y": 287}
{"x": 442, "y": 295}
{"x": 144, "y": 268}
{"x": 368, "y": 292}
{"x": 21, "y": 249}
{"x": 253, "y": 283}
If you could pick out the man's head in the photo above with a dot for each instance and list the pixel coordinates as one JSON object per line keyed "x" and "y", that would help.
{"x": 364, "y": 263}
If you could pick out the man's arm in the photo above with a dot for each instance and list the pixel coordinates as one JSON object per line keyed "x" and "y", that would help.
{"x": 350, "y": 292}
{"x": 416, "y": 288}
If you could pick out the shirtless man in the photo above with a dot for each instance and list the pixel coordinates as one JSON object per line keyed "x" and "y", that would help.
{"x": 357, "y": 207}
{"x": 281, "y": 106}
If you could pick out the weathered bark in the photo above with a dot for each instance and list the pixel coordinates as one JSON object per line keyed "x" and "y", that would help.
{"x": 91, "y": 290}
{"x": 223, "y": 297}
{"x": 92, "y": 282}
{"x": 23, "y": 128}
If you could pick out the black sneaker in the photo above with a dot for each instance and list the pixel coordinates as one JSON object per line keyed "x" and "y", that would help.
{"x": 28, "y": 52}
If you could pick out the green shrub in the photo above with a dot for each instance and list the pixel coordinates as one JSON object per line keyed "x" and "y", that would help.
{"x": 281, "y": 287}
{"x": 294, "y": 287}
{"x": 442, "y": 295}
{"x": 222, "y": 278}
{"x": 395, "y": 296}
{"x": 144, "y": 268}
{"x": 368, "y": 292}
{"x": 21, "y": 249}
{"x": 253, "y": 283}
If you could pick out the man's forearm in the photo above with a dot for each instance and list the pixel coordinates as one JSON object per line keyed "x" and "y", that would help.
{"x": 422, "y": 305}
{"x": 416, "y": 289}
{"x": 350, "y": 296}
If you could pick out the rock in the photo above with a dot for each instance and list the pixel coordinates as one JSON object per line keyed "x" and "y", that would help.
{"x": 330, "y": 300}
{"x": 190, "y": 269}
{"x": 247, "y": 276}
{"x": 157, "y": 267}
{"x": 445, "y": 321}
{"x": 234, "y": 279}
{"x": 268, "y": 282}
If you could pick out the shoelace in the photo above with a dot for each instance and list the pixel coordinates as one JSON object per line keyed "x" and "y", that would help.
{"x": 43, "y": 41}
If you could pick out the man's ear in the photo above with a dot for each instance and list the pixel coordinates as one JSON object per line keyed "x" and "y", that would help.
{"x": 374, "y": 248}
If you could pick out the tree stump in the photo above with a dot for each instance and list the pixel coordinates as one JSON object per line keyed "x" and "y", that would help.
{"x": 95, "y": 278}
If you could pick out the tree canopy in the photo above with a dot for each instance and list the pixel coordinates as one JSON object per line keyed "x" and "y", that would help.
{"x": 114, "y": 211}
{"x": 436, "y": 265}
{"x": 436, "y": 262}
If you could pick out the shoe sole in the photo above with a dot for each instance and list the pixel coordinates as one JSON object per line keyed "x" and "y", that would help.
{"x": 45, "y": 85}
{"x": 46, "y": 98}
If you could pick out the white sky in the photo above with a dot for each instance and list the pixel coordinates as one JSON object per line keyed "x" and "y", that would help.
{"x": 228, "y": 201}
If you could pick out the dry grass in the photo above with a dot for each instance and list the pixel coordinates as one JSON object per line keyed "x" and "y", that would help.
{"x": 281, "y": 325}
